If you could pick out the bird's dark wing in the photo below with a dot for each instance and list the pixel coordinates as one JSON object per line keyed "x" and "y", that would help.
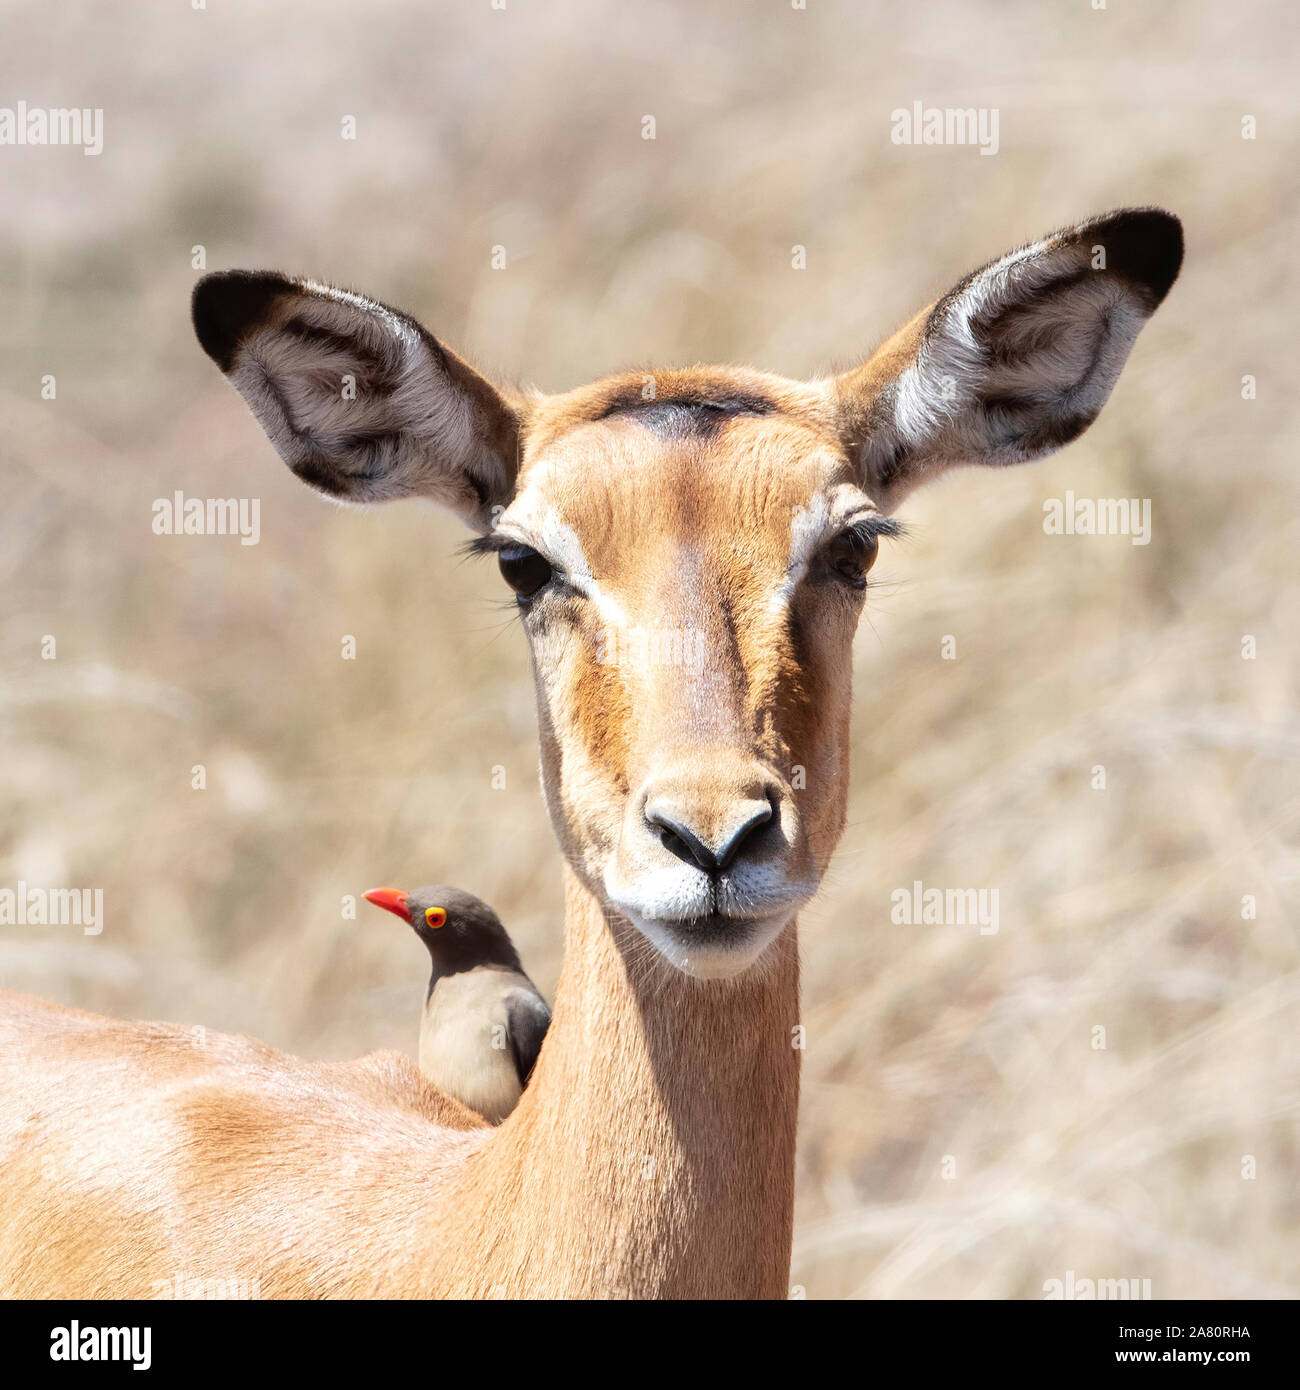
{"x": 527, "y": 1019}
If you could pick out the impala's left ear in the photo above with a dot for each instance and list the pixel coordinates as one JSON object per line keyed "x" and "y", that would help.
{"x": 1013, "y": 362}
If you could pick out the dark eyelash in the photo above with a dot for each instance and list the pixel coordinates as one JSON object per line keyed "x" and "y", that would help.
{"x": 490, "y": 544}
{"x": 866, "y": 528}
{"x": 870, "y": 528}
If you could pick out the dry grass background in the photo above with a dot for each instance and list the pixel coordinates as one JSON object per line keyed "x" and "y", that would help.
{"x": 477, "y": 127}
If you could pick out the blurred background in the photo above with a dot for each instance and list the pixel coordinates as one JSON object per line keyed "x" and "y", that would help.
{"x": 962, "y": 1135}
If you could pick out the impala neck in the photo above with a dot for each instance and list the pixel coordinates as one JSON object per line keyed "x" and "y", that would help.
{"x": 652, "y": 1154}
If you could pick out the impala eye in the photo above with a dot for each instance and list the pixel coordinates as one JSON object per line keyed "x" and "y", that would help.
{"x": 435, "y": 916}
{"x": 524, "y": 569}
{"x": 851, "y": 555}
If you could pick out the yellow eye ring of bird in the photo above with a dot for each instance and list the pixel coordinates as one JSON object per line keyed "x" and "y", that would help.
{"x": 435, "y": 916}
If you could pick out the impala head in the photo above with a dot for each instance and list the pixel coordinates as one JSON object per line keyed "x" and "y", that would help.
{"x": 689, "y": 548}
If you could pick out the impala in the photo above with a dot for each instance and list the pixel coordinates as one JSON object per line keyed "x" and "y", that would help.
{"x": 697, "y": 803}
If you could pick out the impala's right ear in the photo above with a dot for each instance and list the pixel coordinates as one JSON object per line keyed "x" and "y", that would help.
{"x": 359, "y": 400}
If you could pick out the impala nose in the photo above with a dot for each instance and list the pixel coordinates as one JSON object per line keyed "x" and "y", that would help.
{"x": 712, "y": 841}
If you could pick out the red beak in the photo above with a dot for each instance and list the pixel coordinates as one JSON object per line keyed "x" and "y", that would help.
{"x": 391, "y": 899}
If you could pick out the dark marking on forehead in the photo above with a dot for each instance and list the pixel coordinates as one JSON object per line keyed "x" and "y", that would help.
{"x": 706, "y": 389}
{"x": 683, "y": 417}
{"x": 674, "y": 403}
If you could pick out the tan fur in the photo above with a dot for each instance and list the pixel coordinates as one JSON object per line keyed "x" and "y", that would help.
{"x": 652, "y": 1154}
{"x": 691, "y": 537}
{"x": 652, "y": 1161}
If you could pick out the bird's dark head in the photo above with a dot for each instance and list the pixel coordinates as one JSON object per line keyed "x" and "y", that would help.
{"x": 460, "y": 930}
